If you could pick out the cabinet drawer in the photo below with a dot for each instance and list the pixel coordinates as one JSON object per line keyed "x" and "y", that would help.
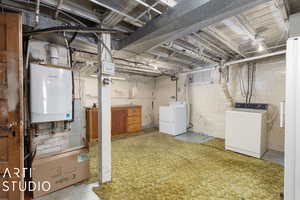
{"x": 133, "y": 120}
{"x": 133, "y": 128}
{"x": 134, "y": 112}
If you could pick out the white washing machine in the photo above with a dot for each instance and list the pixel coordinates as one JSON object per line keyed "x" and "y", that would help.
{"x": 246, "y": 131}
{"x": 173, "y": 118}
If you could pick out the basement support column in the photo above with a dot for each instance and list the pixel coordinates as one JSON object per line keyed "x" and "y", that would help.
{"x": 104, "y": 114}
{"x": 292, "y": 120}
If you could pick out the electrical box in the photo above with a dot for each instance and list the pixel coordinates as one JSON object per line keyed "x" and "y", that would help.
{"x": 50, "y": 94}
{"x": 108, "y": 68}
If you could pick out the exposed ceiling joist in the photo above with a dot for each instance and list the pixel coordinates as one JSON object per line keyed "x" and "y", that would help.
{"x": 186, "y": 17}
{"x": 188, "y": 53}
{"x": 225, "y": 40}
{"x": 209, "y": 43}
{"x": 283, "y": 19}
{"x": 74, "y": 8}
{"x": 195, "y": 41}
{"x": 252, "y": 34}
{"x": 180, "y": 61}
{"x": 146, "y": 57}
{"x": 116, "y": 6}
{"x": 113, "y": 18}
{"x": 148, "y": 6}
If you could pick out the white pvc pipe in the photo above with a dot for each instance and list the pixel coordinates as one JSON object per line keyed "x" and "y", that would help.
{"x": 255, "y": 58}
{"x": 53, "y": 54}
{"x": 282, "y": 110}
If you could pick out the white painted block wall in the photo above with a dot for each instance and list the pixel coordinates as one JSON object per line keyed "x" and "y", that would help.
{"x": 208, "y": 103}
{"x": 121, "y": 93}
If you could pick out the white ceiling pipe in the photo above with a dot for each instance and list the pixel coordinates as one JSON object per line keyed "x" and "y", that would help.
{"x": 136, "y": 69}
{"x": 255, "y": 58}
{"x": 238, "y": 61}
{"x": 274, "y": 47}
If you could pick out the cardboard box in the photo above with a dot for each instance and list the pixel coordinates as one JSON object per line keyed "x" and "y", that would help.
{"x": 60, "y": 170}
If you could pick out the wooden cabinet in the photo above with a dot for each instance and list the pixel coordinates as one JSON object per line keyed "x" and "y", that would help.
{"x": 126, "y": 119}
{"x": 118, "y": 121}
{"x": 91, "y": 123}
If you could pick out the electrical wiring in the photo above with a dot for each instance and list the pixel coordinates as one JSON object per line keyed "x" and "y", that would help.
{"x": 251, "y": 77}
{"x": 248, "y": 82}
{"x": 73, "y": 29}
{"x": 242, "y": 85}
{"x": 252, "y": 81}
{"x": 76, "y": 21}
{"x": 145, "y": 65}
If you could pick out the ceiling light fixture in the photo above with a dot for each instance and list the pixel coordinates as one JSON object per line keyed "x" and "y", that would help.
{"x": 260, "y": 48}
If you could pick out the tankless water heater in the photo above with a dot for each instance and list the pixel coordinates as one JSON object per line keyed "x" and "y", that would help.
{"x": 50, "y": 94}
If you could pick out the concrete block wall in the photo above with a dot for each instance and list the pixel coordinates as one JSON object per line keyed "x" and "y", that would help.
{"x": 208, "y": 102}
{"x": 137, "y": 90}
{"x": 270, "y": 89}
{"x": 165, "y": 90}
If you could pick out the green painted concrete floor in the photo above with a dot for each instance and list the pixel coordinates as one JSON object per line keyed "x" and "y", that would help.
{"x": 156, "y": 166}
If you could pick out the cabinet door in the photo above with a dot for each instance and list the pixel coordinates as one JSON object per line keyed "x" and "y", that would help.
{"x": 118, "y": 122}
{"x": 11, "y": 104}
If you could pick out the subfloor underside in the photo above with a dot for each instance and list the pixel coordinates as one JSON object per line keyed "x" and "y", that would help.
{"x": 156, "y": 166}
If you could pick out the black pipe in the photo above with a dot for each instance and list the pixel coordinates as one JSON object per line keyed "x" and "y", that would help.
{"x": 72, "y": 39}
{"x": 71, "y": 65}
{"x": 248, "y": 82}
{"x": 73, "y": 85}
{"x": 176, "y": 88}
{"x": 74, "y": 29}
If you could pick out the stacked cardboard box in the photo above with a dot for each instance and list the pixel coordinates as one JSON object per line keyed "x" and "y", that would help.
{"x": 60, "y": 170}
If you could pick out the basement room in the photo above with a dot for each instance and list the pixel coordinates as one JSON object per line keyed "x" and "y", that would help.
{"x": 149, "y": 99}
